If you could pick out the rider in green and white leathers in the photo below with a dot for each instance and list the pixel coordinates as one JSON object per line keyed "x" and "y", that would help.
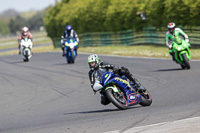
{"x": 171, "y": 34}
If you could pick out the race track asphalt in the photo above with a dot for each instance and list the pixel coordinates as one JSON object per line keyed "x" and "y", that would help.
{"x": 47, "y": 95}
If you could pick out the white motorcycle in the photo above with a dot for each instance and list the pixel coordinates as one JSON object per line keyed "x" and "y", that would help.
{"x": 26, "y": 49}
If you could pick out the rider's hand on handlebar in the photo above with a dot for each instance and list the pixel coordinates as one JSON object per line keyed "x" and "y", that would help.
{"x": 187, "y": 40}
{"x": 170, "y": 46}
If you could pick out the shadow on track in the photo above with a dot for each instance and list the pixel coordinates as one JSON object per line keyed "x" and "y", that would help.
{"x": 167, "y": 70}
{"x": 16, "y": 62}
{"x": 101, "y": 111}
{"x": 95, "y": 111}
{"x": 61, "y": 64}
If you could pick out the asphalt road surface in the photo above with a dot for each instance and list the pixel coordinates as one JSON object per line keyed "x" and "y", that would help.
{"x": 47, "y": 95}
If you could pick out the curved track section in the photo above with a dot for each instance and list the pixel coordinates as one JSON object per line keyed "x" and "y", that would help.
{"x": 49, "y": 95}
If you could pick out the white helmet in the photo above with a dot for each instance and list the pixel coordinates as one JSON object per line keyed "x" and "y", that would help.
{"x": 93, "y": 61}
{"x": 171, "y": 27}
{"x": 25, "y": 31}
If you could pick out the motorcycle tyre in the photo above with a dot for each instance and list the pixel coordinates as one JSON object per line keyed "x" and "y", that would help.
{"x": 186, "y": 61}
{"x": 67, "y": 55}
{"x": 145, "y": 101}
{"x": 182, "y": 66}
{"x": 72, "y": 57}
{"x": 112, "y": 99}
{"x": 68, "y": 62}
{"x": 26, "y": 57}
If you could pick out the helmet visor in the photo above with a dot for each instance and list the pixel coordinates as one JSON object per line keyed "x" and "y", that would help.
{"x": 92, "y": 64}
{"x": 25, "y": 33}
{"x": 171, "y": 30}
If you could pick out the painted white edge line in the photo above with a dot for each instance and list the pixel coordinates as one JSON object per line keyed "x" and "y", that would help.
{"x": 183, "y": 125}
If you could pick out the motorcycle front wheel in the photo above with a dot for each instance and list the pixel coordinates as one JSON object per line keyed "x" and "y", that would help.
{"x": 186, "y": 61}
{"x": 146, "y": 98}
{"x": 119, "y": 100}
{"x": 26, "y": 56}
{"x": 72, "y": 57}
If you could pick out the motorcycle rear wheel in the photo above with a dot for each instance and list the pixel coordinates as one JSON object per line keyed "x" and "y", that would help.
{"x": 116, "y": 101}
{"x": 146, "y": 99}
{"x": 182, "y": 66}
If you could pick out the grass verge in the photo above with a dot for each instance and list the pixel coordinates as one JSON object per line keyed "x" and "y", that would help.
{"x": 136, "y": 51}
{"x": 11, "y": 42}
{"x": 41, "y": 49}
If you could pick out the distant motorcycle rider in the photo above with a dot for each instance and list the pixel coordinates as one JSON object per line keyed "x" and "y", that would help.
{"x": 172, "y": 33}
{"x": 97, "y": 68}
{"x": 25, "y": 33}
{"x": 69, "y": 32}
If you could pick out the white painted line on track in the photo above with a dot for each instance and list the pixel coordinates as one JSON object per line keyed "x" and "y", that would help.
{"x": 189, "y": 125}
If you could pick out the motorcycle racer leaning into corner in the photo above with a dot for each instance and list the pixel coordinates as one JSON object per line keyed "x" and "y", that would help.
{"x": 98, "y": 67}
{"x": 172, "y": 33}
{"x": 25, "y": 33}
{"x": 69, "y": 32}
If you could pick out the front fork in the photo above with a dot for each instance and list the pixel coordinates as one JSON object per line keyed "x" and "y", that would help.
{"x": 114, "y": 88}
{"x": 183, "y": 52}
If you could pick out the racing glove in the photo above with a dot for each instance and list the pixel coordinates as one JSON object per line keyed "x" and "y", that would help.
{"x": 170, "y": 46}
{"x": 187, "y": 40}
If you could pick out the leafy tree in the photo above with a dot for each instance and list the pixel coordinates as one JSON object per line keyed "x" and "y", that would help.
{"x": 36, "y": 22}
{"x": 177, "y": 11}
{"x": 117, "y": 15}
{"x": 4, "y": 28}
{"x": 154, "y": 12}
{"x": 10, "y": 13}
{"x": 51, "y": 23}
{"x": 194, "y": 12}
{"x": 16, "y": 24}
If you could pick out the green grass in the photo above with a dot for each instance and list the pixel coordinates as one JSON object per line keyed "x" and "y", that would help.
{"x": 157, "y": 51}
{"x": 11, "y": 42}
{"x": 136, "y": 51}
{"x": 35, "y": 50}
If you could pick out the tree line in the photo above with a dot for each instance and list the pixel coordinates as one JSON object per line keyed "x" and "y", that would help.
{"x": 116, "y": 15}
{"x": 12, "y": 22}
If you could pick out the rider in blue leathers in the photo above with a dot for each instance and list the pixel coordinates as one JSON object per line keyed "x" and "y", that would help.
{"x": 69, "y": 32}
{"x": 96, "y": 66}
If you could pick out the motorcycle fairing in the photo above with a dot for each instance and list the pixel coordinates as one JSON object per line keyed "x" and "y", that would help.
{"x": 110, "y": 78}
{"x": 180, "y": 49}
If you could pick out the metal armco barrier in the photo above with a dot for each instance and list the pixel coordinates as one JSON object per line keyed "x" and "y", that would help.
{"x": 130, "y": 37}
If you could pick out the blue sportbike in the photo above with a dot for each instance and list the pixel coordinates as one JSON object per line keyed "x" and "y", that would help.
{"x": 119, "y": 91}
{"x": 71, "y": 46}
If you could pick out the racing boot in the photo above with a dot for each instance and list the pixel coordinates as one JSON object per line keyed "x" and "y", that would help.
{"x": 136, "y": 84}
{"x": 19, "y": 50}
{"x": 63, "y": 54}
{"x": 173, "y": 56}
{"x": 104, "y": 100}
